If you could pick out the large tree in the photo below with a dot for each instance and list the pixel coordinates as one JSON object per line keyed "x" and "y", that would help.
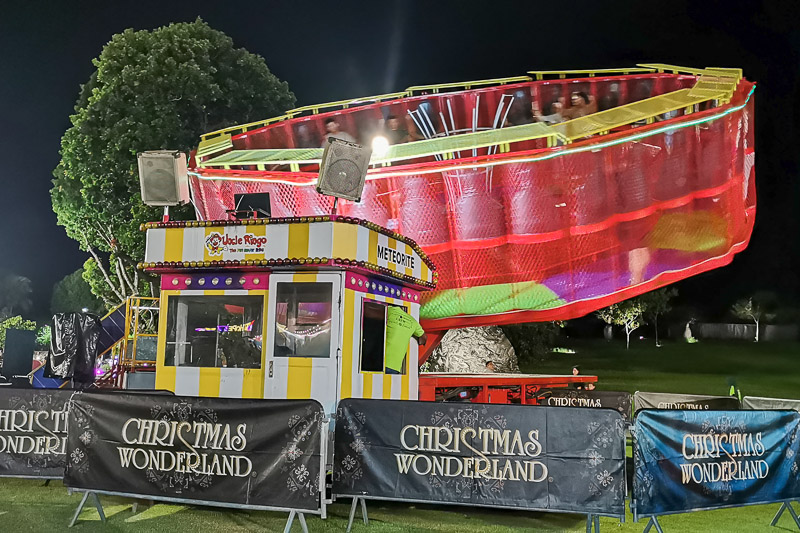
{"x": 152, "y": 90}
{"x": 73, "y": 294}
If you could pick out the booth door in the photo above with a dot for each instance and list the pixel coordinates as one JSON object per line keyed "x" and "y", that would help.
{"x": 303, "y": 337}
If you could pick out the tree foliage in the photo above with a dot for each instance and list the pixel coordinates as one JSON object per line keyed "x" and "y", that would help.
{"x": 15, "y": 294}
{"x": 152, "y": 90}
{"x": 73, "y": 293}
{"x": 629, "y": 314}
{"x": 756, "y": 308}
{"x": 533, "y": 341}
{"x": 657, "y": 303}
{"x": 14, "y": 322}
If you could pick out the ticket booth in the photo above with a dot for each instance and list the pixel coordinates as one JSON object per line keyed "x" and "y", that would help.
{"x": 283, "y": 308}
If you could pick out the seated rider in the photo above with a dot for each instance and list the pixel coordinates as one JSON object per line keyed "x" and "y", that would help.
{"x": 400, "y": 327}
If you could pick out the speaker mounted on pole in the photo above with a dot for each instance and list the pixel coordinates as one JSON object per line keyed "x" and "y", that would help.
{"x": 164, "y": 178}
{"x": 343, "y": 169}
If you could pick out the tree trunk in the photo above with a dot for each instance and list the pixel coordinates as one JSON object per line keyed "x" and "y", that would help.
{"x": 608, "y": 332}
{"x": 627, "y": 338}
{"x": 655, "y": 319}
{"x": 756, "y": 330}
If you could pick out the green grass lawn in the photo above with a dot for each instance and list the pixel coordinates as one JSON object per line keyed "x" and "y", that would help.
{"x": 764, "y": 369}
{"x": 760, "y": 369}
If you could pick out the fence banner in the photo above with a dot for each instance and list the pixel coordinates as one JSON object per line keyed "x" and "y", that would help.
{"x": 661, "y": 400}
{"x": 757, "y": 402}
{"x": 502, "y": 456}
{"x": 620, "y": 401}
{"x": 692, "y": 460}
{"x": 33, "y": 432}
{"x": 258, "y": 453}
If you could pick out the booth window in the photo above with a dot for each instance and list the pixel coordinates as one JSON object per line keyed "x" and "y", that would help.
{"x": 214, "y": 331}
{"x": 373, "y": 335}
{"x": 303, "y": 319}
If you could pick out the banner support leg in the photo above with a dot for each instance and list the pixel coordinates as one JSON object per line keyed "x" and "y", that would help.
{"x": 653, "y": 522}
{"x": 353, "y": 509}
{"x": 290, "y": 521}
{"x": 784, "y": 506}
{"x": 97, "y": 505}
{"x": 592, "y": 523}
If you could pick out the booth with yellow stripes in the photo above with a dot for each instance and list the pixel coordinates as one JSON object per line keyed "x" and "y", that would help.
{"x": 283, "y": 308}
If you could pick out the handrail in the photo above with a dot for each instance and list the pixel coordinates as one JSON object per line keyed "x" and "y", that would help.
{"x": 646, "y": 109}
{"x": 467, "y": 84}
{"x": 643, "y": 68}
{"x": 398, "y": 152}
{"x": 242, "y": 128}
{"x": 344, "y": 104}
{"x": 562, "y": 74}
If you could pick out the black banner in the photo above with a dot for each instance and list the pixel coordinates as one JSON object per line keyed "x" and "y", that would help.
{"x": 259, "y": 453}
{"x": 662, "y": 400}
{"x": 33, "y": 432}
{"x": 619, "y": 401}
{"x": 692, "y": 460}
{"x": 512, "y": 456}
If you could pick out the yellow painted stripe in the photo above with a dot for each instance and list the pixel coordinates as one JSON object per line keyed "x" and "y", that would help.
{"x": 424, "y": 272}
{"x": 299, "y": 378}
{"x": 173, "y": 244}
{"x": 253, "y": 382}
{"x": 367, "y": 389}
{"x": 405, "y": 383}
{"x": 387, "y": 387}
{"x": 373, "y": 248}
{"x": 345, "y": 240}
{"x": 165, "y": 375}
{"x": 165, "y": 378}
{"x": 209, "y": 382}
{"x": 298, "y": 240}
{"x": 348, "y": 357}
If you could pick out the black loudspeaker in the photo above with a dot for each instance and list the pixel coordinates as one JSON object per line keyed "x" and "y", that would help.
{"x": 18, "y": 353}
{"x": 343, "y": 169}
{"x": 163, "y": 178}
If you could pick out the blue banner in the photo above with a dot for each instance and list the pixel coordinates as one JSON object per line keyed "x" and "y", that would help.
{"x": 692, "y": 460}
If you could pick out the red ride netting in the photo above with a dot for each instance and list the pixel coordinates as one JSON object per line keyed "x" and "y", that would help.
{"x": 554, "y": 233}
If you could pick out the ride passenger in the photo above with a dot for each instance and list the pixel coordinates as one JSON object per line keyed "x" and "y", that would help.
{"x": 334, "y": 131}
{"x": 395, "y": 132}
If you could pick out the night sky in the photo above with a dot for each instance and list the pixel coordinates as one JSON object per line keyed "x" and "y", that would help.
{"x": 336, "y": 49}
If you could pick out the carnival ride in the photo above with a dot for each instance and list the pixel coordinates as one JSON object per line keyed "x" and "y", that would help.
{"x": 648, "y": 181}
{"x": 533, "y": 198}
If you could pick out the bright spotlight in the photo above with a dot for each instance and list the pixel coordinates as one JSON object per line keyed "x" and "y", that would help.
{"x": 380, "y": 145}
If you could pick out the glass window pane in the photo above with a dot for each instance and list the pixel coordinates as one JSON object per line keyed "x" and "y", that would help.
{"x": 303, "y": 319}
{"x": 373, "y": 335}
{"x": 214, "y": 331}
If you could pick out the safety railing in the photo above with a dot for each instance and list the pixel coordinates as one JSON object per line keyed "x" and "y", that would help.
{"x": 136, "y": 328}
{"x": 591, "y": 73}
{"x": 344, "y": 104}
{"x": 713, "y": 84}
{"x": 466, "y": 85}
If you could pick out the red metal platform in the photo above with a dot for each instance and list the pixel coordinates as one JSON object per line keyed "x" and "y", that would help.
{"x": 493, "y": 388}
